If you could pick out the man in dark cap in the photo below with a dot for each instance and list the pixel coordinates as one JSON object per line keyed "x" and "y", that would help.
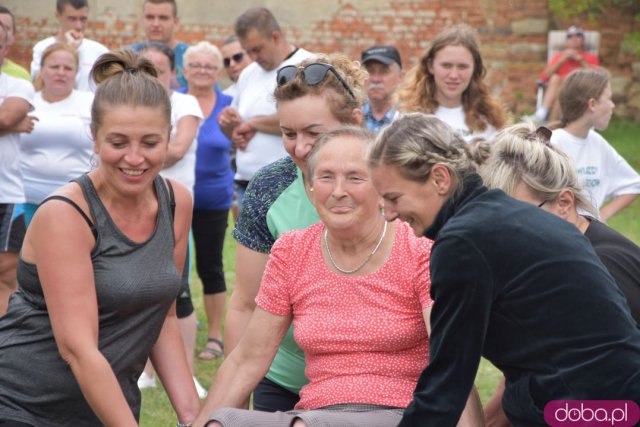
{"x": 561, "y": 64}
{"x": 385, "y": 74}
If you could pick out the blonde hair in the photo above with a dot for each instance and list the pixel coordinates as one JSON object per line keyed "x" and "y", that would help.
{"x": 340, "y": 101}
{"x": 418, "y": 92}
{"x": 519, "y": 155}
{"x": 126, "y": 78}
{"x": 38, "y": 83}
{"x": 203, "y": 48}
{"x": 415, "y": 142}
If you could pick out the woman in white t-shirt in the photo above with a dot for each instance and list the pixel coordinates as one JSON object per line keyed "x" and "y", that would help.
{"x": 186, "y": 117}
{"x": 585, "y": 104}
{"x": 448, "y": 82}
{"x": 60, "y": 146}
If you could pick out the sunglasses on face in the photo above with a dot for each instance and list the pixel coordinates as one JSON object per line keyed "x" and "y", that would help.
{"x": 236, "y": 58}
{"x": 312, "y": 75}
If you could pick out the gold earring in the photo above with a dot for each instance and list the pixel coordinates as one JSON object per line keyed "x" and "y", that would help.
{"x": 311, "y": 189}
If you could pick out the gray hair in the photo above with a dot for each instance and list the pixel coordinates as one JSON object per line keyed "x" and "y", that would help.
{"x": 204, "y": 48}
{"x": 350, "y": 131}
{"x": 415, "y": 142}
{"x": 518, "y": 155}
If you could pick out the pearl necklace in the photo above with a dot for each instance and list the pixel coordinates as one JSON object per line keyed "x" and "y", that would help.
{"x": 355, "y": 270}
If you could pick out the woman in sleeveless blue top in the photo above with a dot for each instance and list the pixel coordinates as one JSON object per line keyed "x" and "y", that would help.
{"x": 100, "y": 270}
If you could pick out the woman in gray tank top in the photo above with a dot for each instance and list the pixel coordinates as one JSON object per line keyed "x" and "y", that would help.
{"x": 100, "y": 270}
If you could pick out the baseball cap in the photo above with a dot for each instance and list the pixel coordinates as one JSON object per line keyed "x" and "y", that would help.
{"x": 385, "y": 54}
{"x": 575, "y": 31}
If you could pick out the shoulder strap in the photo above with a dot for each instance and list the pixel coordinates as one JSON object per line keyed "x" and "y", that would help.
{"x": 172, "y": 199}
{"x": 94, "y": 231}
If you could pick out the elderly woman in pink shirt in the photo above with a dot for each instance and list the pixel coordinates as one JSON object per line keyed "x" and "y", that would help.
{"x": 357, "y": 291}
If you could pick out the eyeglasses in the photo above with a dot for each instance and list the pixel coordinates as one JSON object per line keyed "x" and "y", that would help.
{"x": 205, "y": 67}
{"x": 542, "y": 204}
{"x": 236, "y": 58}
{"x": 312, "y": 75}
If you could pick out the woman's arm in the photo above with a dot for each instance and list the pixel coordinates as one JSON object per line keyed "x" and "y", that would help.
{"x": 250, "y": 266}
{"x": 186, "y": 131}
{"x": 472, "y": 415}
{"x": 615, "y": 205}
{"x": 168, "y": 356}
{"x": 60, "y": 243}
{"x": 247, "y": 364}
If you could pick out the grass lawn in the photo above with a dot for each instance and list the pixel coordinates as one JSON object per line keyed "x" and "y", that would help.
{"x": 156, "y": 410}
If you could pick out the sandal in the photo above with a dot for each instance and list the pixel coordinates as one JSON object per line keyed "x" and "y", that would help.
{"x": 210, "y": 353}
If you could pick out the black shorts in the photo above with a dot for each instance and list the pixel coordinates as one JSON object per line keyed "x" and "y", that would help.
{"x": 12, "y": 229}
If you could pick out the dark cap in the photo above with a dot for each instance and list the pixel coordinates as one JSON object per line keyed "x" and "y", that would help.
{"x": 385, "y": 54}
{"x": 575, "y": 31}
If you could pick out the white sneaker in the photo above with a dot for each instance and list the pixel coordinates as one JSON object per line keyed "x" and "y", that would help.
{"x": 202, "y": 393}
{"x": 145, "y": 381}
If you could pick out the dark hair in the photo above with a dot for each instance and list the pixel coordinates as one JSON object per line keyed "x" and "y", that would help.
{"x": 76, "y": 4}
{"x": 5, "y": 11}
{"x": 160, "y": 48}
{"x": 259, "y": 18}
{"x": 577, "y": 89}
{"x": 341, "y": 103}
{"x": 126, "y": 78}
{"x": 232, "y": 38}
{"x": 172, "y": 2}
{"x": 418, "y": 92}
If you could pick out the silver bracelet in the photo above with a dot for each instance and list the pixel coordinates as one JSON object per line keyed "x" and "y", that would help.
{"x": 183, "y": 425}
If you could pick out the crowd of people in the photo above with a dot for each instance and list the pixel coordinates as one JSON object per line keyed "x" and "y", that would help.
{"x": 392, "y": 227}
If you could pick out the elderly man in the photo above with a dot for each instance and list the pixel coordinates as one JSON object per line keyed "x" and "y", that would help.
{"x": 561, "y": 64}
{"x": 385, "y": 74}
{"x": 72, "y": 16}
{"x": 251, "y": 122}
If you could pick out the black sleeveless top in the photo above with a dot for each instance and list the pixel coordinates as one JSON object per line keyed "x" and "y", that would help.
{"x": 135, "y": 283}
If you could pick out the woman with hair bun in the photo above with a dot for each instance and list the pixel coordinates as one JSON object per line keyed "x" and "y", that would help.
{"x": 100, "y": 270}
{"x": 510, "y": 282}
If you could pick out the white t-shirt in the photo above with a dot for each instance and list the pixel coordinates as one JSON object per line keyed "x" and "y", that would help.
{"x": 232, "y": 90}
{"x": 254, "y": 98}
{"x": 602, "y": 171}
{"x": 11, "y": 190}
{"x": 454, "y": 117}
{"x": 88, "y": 51}
{"x": 184, "y": 171}
{"x": 60, "y": 146}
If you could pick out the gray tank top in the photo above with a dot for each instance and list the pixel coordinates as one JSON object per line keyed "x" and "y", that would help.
{"x": 135, "y": 283}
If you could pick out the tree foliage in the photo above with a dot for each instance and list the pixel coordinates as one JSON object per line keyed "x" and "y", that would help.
{"x": 593, "y": 9}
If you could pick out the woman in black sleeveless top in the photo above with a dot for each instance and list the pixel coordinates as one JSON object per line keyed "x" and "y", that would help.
{"x": 100, "y": 271}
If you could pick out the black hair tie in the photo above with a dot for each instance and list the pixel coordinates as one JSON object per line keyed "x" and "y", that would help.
{"x": 131, "y": 70}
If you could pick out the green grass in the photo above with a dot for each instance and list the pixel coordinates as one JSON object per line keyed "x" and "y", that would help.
{"x": 156, "y": 410}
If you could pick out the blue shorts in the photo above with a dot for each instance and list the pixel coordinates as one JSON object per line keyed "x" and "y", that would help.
{"x": 12, "y": 229}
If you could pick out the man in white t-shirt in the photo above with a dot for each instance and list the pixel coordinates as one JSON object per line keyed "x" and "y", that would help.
{"x": 234, "y": 59}
{"x": 252, "y": 122}
{"x": 72, "y": 16}
{"x": 15, "y": 103}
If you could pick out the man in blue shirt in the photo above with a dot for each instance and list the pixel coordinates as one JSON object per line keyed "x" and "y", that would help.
{"x": 385, "y": 74}
{"x": 160, "y": 21}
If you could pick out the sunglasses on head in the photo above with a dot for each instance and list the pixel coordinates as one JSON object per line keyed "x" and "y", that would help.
{"x": 236, "y": 58}
{"x": 312, "y": 75}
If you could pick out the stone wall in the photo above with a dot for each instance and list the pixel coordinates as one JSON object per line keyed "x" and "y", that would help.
{"x": 513, "y": 33}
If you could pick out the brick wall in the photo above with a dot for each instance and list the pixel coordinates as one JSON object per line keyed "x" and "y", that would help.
{"x": 513, "y": 33}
